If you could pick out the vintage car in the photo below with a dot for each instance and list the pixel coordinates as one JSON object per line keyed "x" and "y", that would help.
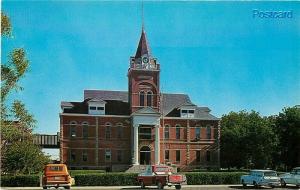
{"x": 291, "y": 178}
{"x": 161, "y": 176}
{"x": 56, "y": 175}
{"x": 261, "y": 178}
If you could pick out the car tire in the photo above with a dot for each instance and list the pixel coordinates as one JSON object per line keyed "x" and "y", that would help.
{"x": 160, "y": 185}
{"x": 177, "y": 186}
{"x": 44, "y": 187}
{"x": 67, "y": 187}
{"x": 255, "y": 184}
{"x": 142, "y": 184}
{"x": 283, "y": 184}
{"x": 244, "y": 184}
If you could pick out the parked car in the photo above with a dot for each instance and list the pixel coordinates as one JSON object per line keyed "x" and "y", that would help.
{"x": 161, "y": 176}
{"x": 56, "y": 175}
{"x": 261, "y": 178}
{"x": 291, "y": 178}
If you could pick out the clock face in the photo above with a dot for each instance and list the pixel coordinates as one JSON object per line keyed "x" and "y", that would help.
{"x": 145, "y": 59}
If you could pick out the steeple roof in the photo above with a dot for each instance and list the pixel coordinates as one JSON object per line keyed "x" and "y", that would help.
{"x": 143, "y": 47}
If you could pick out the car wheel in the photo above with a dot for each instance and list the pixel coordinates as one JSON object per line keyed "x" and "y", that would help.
{"x": 142, "y": 184}
{"x": 160, "y": 185}
{"x": 255, "y": 184}
{"x": 283, "y": 184}
{"x": 177, "y": 186}
{"x": 44, "y": 187}
{"x": 67, "y": 187}
{"x": 244, "y": 184}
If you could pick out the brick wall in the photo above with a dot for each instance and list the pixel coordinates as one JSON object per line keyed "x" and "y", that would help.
{"x": 187, "y": 144}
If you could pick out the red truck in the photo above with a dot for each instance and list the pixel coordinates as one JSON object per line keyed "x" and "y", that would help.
{"x": 161, "y": 176}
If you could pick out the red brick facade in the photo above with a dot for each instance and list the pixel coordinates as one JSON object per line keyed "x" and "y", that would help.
{"x": 114, "y": 130}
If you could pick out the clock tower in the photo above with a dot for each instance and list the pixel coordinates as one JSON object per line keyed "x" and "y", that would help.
{"x": 143, "y": 78}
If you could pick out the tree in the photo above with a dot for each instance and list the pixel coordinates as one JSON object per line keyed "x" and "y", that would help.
{"x": 248, "y": 140}
{"x": 16, "y": 122}
{"x": 24, "y": 157}
{"x": 288, "y": 128}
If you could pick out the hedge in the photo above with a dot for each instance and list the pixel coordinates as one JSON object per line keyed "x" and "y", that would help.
{"x": 213, "y": 178}
{"x": 20, "y": 181}
{"x": 106, "y": 179}
{"x": 123, "y": 179}
{"x": 79, "y": 172}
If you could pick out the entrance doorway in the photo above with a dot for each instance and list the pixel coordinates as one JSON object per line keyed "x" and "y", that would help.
{"x": 145, "y": 155}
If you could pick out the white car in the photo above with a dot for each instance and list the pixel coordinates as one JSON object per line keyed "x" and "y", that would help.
{"x": 291, "y": 178}
{"x": 261, "y": 178}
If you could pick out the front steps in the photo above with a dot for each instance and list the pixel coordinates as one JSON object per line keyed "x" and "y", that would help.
{"x": 136, "y": 169}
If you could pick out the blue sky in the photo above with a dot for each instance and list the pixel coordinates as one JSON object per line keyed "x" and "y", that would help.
{"x": 214, "y": 51}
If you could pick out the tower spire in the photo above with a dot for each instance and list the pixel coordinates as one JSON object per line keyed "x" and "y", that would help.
{"x": 143, "y": 47}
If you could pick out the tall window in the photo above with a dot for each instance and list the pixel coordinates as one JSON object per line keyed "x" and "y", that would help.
{"x": 107, "y": 130}
{"x": 208, "y": 156}
{"x": 119, "y": 155}
{"x": 198, "y": 156}
{"x": 167, "y": 132}
{"x": 142, "y": 98}
{"x": 208, "y": 132}
{"x": 167, "y": 155}
{"x": 107, "y": 155}
{"x": 149, "y": 98}
{"x": 198, "y": 132}
{"x": 145, "y": 133}
{"x": 84, "y": 155}
{"x": 120, "y": 130}
{"x": 177, "y": 131}
{"x": 177, "y": 155}
{"x": 73, "y": 129}
{"x": 72, "y": 156}
{"x": 85, "y": 130}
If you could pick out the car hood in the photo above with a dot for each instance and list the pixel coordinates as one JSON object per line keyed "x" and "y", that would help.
{"x": 284, "y": 175}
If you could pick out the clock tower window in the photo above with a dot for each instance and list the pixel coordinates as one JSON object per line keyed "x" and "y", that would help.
{"x": 149, "y": 98}
{"x": 142, "y": 98}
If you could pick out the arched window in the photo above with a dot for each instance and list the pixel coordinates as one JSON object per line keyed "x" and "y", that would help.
{"x": 177, "y": 131}
{"x": 149, "y": 98}
{"x": 85, "y": 129}
{"x": 208, "y": 132}
{"x": 167, "y": 131}
{"x": 120, "y": 130}
{"x": 142, "y": 98}
{"x": 73, "y": 128}
{"x": 107, "y": 130}
{"x": 198, "y": 132}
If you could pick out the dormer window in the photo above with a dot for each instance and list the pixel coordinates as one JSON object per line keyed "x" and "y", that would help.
{"x": 100, "y": 108}
{"x": 187, "y": 113}
{"x": 92, "y": 108}
{"x": 96, "y": 107}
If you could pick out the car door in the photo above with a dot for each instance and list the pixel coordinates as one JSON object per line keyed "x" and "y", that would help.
{"x": 148, "y": 175}
{"x": 292, "y": 176}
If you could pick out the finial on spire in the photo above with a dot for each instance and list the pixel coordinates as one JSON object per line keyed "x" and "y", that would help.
{"x": 143, "y": 15}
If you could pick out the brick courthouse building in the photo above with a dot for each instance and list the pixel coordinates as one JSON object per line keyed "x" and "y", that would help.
{"x": 119, "y": 129}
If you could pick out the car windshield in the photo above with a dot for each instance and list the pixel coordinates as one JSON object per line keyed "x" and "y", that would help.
{"x": 270, "y": 174}
{"x": 161, "y": 169}
{"x": 55, "y": 168}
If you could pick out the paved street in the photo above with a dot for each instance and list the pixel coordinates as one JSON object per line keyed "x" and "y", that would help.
{"x": 185, "y": 187}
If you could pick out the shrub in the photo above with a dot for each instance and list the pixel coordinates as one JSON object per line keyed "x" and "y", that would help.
{"x": 80, "y": 172}
{"x": 213, "y": 178}
{"x": 106, "y": 179}
{"x": 20, "y": 181}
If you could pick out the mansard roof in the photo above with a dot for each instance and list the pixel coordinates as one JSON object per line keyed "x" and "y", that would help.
{"x": 117, "y": 104}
